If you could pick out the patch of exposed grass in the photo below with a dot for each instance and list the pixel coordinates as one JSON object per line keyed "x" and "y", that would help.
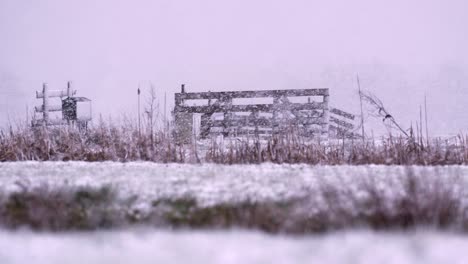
{"x": 61, "y": 209}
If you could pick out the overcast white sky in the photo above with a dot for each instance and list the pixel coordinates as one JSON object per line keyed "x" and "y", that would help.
{"x": 402, "y": 49}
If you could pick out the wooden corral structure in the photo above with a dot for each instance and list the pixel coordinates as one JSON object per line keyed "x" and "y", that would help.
{"x": 74, "y": 110}
{"x": 266, "y": 112}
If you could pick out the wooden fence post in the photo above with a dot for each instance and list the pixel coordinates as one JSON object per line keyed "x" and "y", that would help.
{"x": 183, "y": 120}
{"x": 45, "y": 104}
{"x": 326, "y": 115}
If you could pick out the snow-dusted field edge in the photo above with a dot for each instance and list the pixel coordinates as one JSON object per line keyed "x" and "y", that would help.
{"x": 211, "y": 184}
{"x": 150, "y": 246}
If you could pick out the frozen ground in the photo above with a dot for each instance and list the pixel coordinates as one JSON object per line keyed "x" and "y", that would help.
{"x": 150, "y": 246}
{"x": 208, "y": 183}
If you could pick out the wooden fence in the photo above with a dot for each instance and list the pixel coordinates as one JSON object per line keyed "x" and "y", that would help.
{"x": 265, "y": 112}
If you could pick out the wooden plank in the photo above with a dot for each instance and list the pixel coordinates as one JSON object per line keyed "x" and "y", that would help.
{"x": 51, "y": 122}
{"x": 310, "y": 120}
{"x": 53, "y": 93}
{"x": 342, "y": 113}
{"x": 245, "y": 132}
{"x": 207, "y": 109}
{"x": 51, "y": 108}
{"x": 251, "y": 126}
{"x": 341, "y": 123}
{"x": 265, "y": 131}
{"x": 264, "y": 121}
{"x": 243, "y": 122}
{"x": 253, "y": 94}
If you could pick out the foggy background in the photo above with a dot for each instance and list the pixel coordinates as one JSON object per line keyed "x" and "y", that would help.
{"x": 401, "y": 50}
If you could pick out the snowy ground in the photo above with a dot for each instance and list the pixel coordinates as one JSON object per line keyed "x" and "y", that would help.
{"x": 209, "y": 183}
{"x": 150, "y": 246}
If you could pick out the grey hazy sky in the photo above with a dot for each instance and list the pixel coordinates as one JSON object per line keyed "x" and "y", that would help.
{"x": 401, "y": 49}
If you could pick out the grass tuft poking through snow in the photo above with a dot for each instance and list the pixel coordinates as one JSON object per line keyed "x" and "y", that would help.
{"x": 82, "y": 208}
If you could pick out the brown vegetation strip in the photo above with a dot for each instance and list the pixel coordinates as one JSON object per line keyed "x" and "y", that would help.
{"x": 123, "y": 143}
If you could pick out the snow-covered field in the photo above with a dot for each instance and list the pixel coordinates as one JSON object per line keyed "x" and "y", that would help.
{"x": 212, "y": 184}
{"x": 209, "y": 183}
{"x": 150, "y": 246}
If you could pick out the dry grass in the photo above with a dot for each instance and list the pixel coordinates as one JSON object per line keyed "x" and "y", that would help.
{"x": 388, "y": 151}
{"x": 99, "y": 143}
{"x": 124, "y": 143}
